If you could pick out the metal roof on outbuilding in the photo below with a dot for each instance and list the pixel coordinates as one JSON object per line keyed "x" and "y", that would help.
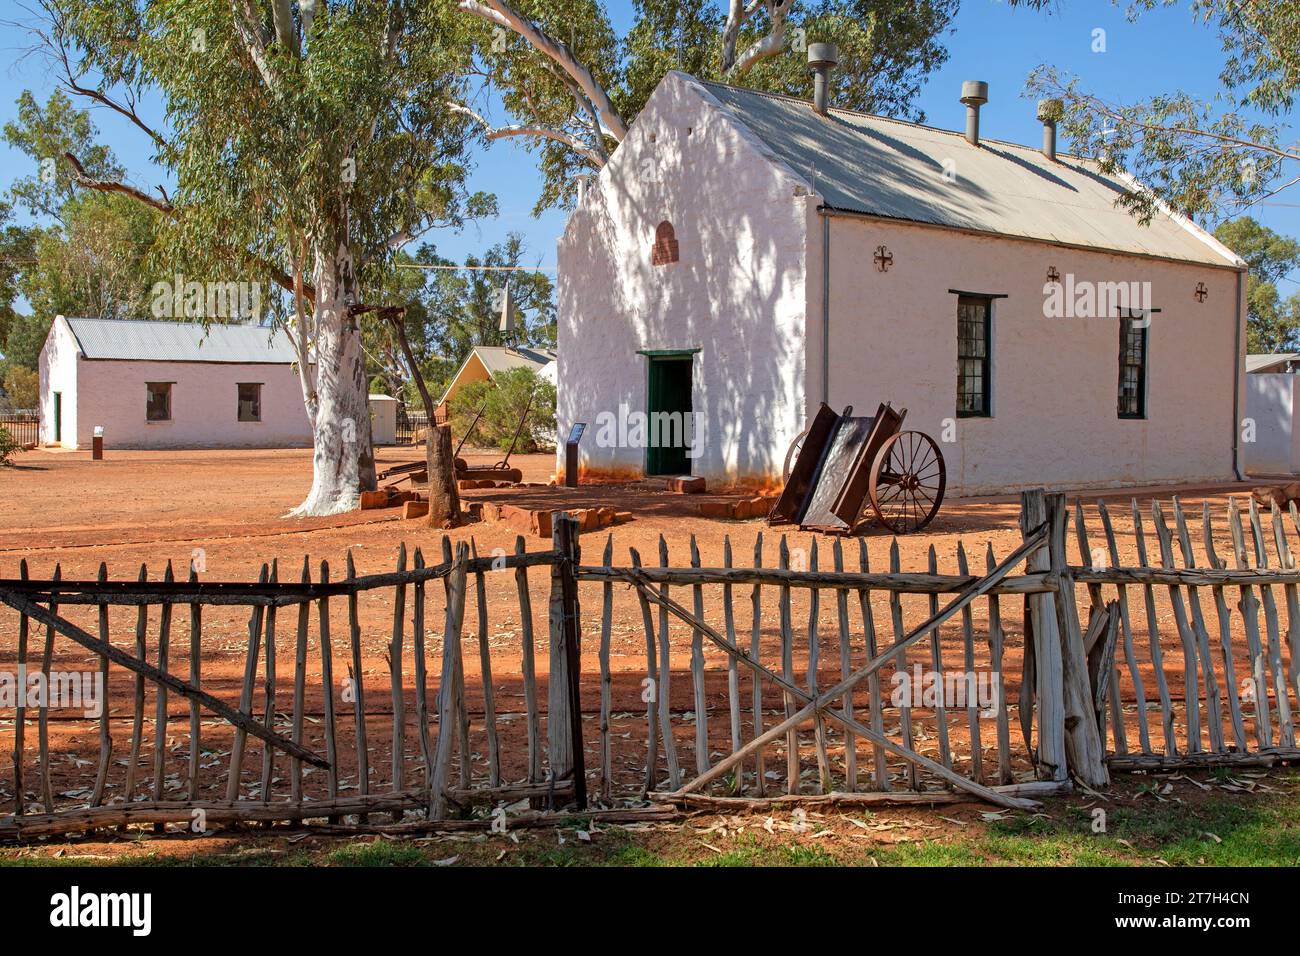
{"x": 164, "y": 341}
{"x": 499, "y": 358}
{"x": 1259, "y": 361}
{"x": 883, "y": 167}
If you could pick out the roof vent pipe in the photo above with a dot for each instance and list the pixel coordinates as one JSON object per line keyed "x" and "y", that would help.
{"x": 822, "y": 58}
{"x": 974, "y": 93}
{"x": 1049, "y": 113}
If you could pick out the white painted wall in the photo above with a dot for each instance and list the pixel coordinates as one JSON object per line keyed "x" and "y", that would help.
{"x": 113, "y": 393}
{"x": 894, "y": 337}
{"x": 737, "y": 294}
{"x": 57, "y": 372}
{"x": 1271, "y": 406}
{"x": 748, "y": 293}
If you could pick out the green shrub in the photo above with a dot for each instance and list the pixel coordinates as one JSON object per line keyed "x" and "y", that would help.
{"x": 503, "y": 401}
{"x": 7, "y": 446}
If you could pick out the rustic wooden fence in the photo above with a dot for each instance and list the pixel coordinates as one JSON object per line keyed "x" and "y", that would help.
{"x": 308, "y": 741}
{"x": 740, "y": 683}
{"x": 1236, "y": 696}
{"x": 811, "y": 690}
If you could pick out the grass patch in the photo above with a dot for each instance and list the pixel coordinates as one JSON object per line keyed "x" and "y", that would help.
{"x": 1146, "y": 824}
{"x": 379, "y": 852}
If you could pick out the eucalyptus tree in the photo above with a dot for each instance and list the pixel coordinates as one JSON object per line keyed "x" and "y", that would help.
{"x": 1273, "y": 323}
{"x": 465, "y": 305}
{"x": 1206, "y": 157}
{"x": 308, "y": 143}
{"x": 573, "y": 86}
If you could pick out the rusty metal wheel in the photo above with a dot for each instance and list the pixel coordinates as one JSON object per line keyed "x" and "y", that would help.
{"x": 907, "y": 482}
{"x": 792, "y": 454}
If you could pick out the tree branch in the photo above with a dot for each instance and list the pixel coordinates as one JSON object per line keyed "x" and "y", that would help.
{"x": 546, "y": 132}
{"x": 1103, "y": 108}
{"x": 164, "y": 206}
{"x": 738, "y": 12}
{"x": 111, "y": 186}
{"x": 307, "y": 10}
{"x": 770, "y": 45}
{"x": 255, "y": 39}
{"x": 127, "y": 111}
{"x": 500, "y": 13}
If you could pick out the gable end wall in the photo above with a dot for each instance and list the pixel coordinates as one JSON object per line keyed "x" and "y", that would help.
{"x": 736, "y": 292}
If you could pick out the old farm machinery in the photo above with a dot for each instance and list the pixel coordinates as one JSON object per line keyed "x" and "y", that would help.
{"x": 841, "y": 465}
{"x": 501, "y": 471}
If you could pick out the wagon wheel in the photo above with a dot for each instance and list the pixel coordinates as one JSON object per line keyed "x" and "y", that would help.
{"x": 796, "y": 446}
{"x": 907, "y": 482}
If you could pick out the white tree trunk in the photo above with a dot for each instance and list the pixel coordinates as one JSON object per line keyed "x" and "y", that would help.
{"x": 343, "y": 462}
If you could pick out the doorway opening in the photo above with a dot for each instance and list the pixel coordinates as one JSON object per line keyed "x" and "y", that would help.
{"x": 669, "y": 410}
{"x": 58, "y": 418}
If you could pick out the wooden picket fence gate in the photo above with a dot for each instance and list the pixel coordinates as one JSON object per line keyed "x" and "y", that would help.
{"x": 846, "y": 693}
{"x": 1240, "y": 686}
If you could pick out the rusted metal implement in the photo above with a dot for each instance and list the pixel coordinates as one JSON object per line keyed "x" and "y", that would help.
{"x": 840, "y": 463}
{"x": 501, "y": 471}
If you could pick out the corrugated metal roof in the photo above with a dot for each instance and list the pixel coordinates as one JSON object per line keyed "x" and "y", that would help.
{"x": 143, "y": 339}
{"x": 869, "y": 164}
{"x": 1261, "y": 360}
{"x": 499, "y": 358}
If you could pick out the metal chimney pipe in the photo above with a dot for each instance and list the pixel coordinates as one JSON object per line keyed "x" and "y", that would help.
{"x": 822, "y": 58}
{"x": 974, "y": 93}
{"x": 1049, "y": 113}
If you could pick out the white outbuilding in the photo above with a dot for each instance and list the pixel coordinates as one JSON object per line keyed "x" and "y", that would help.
{"x": 159, "y": 384}
{"x": 744, "y": 257}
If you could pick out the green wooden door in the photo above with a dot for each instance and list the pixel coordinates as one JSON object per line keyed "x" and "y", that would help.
{"x": 58, "y": 416}
{"x": 670, "y": 393}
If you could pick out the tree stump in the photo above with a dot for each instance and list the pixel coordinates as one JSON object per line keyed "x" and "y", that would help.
{"x": 444, "y": 502}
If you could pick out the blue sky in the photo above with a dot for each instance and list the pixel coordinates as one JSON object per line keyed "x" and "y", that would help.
{"x": 1163, "y": 51}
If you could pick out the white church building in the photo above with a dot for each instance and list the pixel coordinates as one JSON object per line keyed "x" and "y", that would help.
{"x": 160, "y": 384}
{"x": 744, "y": 257}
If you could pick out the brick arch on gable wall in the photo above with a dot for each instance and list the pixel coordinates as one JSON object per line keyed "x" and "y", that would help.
{"x": 665, "y": 247}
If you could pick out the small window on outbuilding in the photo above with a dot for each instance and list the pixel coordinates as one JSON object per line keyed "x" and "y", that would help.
{"x": 158, "y": 405}
{"x": 665, "y": 248}
{"x": 250, "y": 401}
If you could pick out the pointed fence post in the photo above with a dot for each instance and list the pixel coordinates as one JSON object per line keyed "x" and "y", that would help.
{"x": 1085, "y": 751}
{"x": 1046, "y": 649}
{"x": 564, "y": 717}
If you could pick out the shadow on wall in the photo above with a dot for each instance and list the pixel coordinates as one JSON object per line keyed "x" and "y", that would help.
{"x": 736, "y": 293}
